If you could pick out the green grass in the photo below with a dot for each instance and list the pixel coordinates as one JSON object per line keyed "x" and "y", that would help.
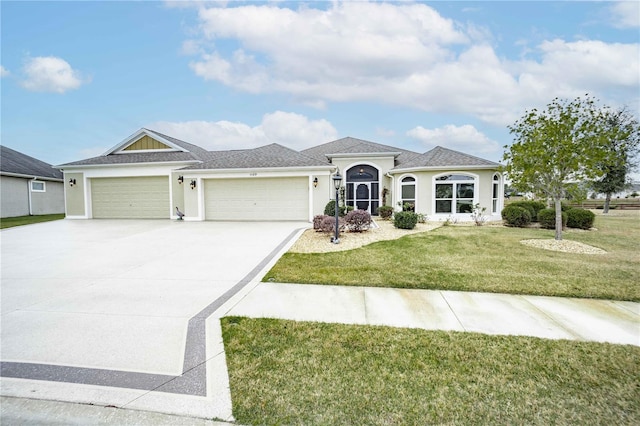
{"x": 286, "y": 372}
{"x": 9, "y": 222}
{"x": 485, "y": 259}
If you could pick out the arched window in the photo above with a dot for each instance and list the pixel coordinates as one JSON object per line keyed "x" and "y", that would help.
{"x": 454, "y": 193}
{"x": 408, "y": 193}
{"x": 495, "y": 194}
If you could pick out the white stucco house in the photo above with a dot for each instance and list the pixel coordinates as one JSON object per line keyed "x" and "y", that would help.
{"x": 28, "y": 186}
{"x": 149, "y": 174}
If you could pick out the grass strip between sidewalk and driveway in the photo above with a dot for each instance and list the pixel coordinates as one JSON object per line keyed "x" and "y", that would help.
{"x": 486, "y": 259}
{"x": 287, "y": 372}
{"x": 9, "y": 222}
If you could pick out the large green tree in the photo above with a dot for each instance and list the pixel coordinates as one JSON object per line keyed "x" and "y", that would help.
{"x": 555, "y": 148}
{"x": 623, "y": 147}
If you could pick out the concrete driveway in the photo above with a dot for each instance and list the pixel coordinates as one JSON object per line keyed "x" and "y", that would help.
{"x": 121, "y": 312}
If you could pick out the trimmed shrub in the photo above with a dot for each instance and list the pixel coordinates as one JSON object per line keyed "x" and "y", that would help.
{"x": 328, "y": 224}
{"x": 329, "y": 209}
{"x": 580, "y": 218}
{"x": 405, "y": 220}
{"x": 547, "y": 218}
{"x": 317, "y": 222}
{"x": 533, "y": 207}
{"x": 358, "y": 220}
{"x": 516, "y": 216}
{"x": 385, "y": 212}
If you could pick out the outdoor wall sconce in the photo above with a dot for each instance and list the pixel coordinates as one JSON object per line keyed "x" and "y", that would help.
{"x": 315, "y": 182}
{"x": 180, "y": 180}
{"x": 193, "y": 183}
{"x": 72, "y": 182}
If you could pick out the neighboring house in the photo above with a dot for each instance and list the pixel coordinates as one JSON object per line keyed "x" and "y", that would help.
{"x": 28, "y": 186}
{"x": 149, "y": 174}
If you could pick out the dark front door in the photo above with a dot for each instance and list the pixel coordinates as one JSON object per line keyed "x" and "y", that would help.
{"x": 362, "y": 196}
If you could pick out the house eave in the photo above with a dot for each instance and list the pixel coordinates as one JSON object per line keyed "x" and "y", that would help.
{"x": 363, "y": 154}
{"x": 443, "y": 168}
{"x": 179, "y": 164}
{"x": 327, "y": 168}
{"x": 32, "y": 177}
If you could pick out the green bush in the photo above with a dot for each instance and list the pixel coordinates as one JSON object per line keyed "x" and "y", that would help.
{"x": 547, "y": 218}
{"x": 580, "y": 218}
{"x": 405, "y": 220}
{"x": 329, "y": 209}
{"x": 533, "y": 207}
{"x": 385, "y": 212}
{"x": 516, "y": 216}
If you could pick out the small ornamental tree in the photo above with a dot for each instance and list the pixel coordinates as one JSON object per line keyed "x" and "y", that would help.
{"x": 557, "y": 147}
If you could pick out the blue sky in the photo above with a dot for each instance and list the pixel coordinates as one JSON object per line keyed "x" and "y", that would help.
{"x": 79, "y": 77}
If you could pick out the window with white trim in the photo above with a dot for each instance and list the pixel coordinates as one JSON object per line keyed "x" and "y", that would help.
{"x": 38, "y": 186}
{"x": 454, "y": 193}
{"x": 495, "y": 194}
{"x": 408, "y": 193}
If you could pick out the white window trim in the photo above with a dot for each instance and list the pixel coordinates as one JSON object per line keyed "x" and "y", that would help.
{"x": 44, "y": 186}
{"x": 434, "y": 182}
{"x": 415, "y": 184}
{"x": 495, "y": 182}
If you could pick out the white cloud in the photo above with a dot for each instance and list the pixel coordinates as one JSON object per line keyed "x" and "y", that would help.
{"x": 625, "y": 14}
{"x": 465, "y": 138}
{"x": 4, "y": 72}
{"x": 50, "y": 74}
{"x": 289, "y": 129}
{"x": 403, "y": 54}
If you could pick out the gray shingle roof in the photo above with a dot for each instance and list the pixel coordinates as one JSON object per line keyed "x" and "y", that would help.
{"x": 12, "y": 161}
{"x": 351, "y": 145}
{"x": 268, "y": 156}
{"x": 134, "y": 157}
{"x": 444, "y": 157}
{"x": 278, "y": 156}
{"x": 194, "y": 153}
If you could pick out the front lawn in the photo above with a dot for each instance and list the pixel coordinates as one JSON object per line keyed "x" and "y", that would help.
{"x": 9, "y": 222}
{"x": 286, "y": 372}
{"x": 486, "y": 259}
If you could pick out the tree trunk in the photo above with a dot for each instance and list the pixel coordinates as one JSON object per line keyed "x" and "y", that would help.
{"x": 607, "y": 201}
{"x": 558, "y": 203}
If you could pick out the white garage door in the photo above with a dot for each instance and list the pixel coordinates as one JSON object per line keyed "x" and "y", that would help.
{"x": 130, "y": 198}
{"x": 257, "y": 199}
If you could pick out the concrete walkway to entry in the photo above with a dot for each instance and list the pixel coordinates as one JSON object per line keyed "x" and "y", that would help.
{"x": 539, "y": 316}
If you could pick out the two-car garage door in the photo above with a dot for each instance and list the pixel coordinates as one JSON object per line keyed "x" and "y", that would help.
{"x": 257, "y": 199}
{"x": 130, "y": 198}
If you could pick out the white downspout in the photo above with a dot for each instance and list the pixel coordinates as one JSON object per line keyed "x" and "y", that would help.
{"x": 29, "y": 191}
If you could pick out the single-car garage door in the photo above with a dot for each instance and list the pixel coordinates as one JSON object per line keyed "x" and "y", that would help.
{"x": 257, "y": 199}
{"x": 130, "y": 198}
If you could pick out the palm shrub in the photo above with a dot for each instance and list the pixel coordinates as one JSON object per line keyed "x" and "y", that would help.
{"x": 385, "y": 212}
{"x": 358, "y": 220}
{"x": 580, "y": 218}
{"x": 547, "y": 218}
{"x": 516, "y": 216}
{"x": 405, "y": 220}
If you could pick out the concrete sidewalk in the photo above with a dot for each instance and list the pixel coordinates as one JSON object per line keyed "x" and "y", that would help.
{"x": 504, "y": 314}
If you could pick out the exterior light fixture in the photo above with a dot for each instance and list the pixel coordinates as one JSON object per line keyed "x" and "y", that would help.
{"x": 193, "y": 183}
{"x": 315, "y": 182}
{"x": 180, "y": 179}
{"x": 337, "y": 181}
{"x": 72, "y": 182}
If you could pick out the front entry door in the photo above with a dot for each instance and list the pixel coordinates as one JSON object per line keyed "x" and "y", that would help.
{"x": 362, "y": 196}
